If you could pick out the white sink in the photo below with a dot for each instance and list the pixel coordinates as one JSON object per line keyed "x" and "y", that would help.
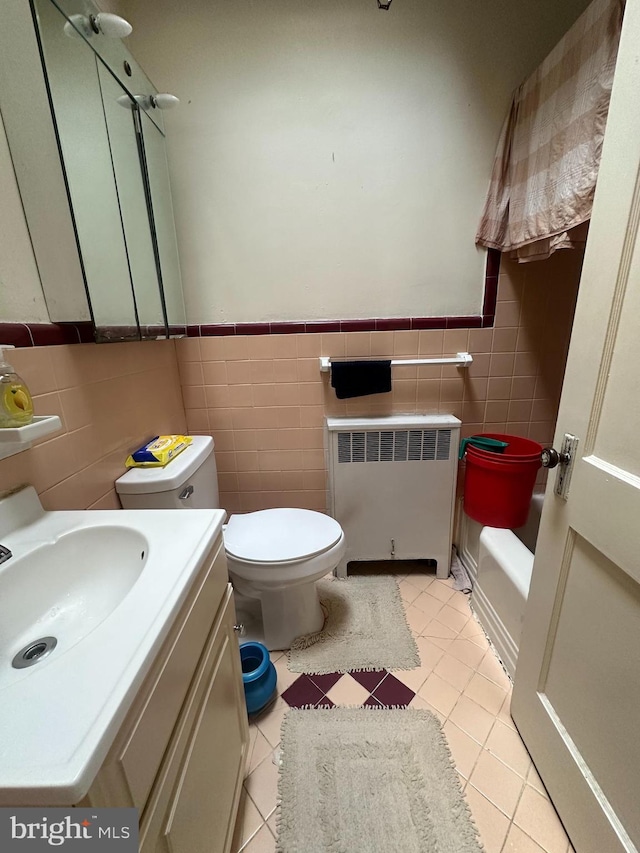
{"x": 64, "y": 589}
{"x": 106, "y": 586}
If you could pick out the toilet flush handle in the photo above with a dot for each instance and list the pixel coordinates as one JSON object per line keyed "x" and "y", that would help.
{"x": 186, "y": 493}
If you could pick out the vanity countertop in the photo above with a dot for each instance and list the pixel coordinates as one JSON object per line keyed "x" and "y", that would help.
{"x": 59, "y": 718}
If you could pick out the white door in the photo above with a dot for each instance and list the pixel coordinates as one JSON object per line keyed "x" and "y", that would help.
{"x": 576, "y": 699}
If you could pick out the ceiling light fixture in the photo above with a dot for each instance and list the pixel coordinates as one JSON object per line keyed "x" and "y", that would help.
{"x": 383, "y": 5}
{"x": 112, "y": 26}
{"x": 164, "y": 101}
{"x": 161, "y": 101}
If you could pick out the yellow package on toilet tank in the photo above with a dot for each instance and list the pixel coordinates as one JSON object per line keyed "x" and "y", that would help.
{"x": 158, "y": 452}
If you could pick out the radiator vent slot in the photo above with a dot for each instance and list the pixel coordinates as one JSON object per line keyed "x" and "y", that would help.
{"x": 413, "y": 445}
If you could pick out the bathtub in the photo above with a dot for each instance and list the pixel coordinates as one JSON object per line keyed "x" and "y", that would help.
{"x": 500, "y": 564}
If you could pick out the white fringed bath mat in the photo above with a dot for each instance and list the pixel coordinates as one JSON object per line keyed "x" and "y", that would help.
{"x": 369, "y": 780}
{"x": 365, "y": 629}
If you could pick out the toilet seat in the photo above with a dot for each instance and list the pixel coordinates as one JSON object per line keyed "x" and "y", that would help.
{"x": 280, "y": 536}
{"x": 276, "y": 556}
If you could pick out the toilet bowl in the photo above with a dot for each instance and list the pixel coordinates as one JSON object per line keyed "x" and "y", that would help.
{"x": 274, "y": 556}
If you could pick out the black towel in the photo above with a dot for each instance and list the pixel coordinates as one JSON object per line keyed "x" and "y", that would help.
{"x": 359, "y": 378}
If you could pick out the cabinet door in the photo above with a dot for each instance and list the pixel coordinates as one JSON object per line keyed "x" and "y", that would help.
{"x": 162, "y": 223}
{"x": 76, "y": 102}
{"x": 137, "y": 755}
{"x": 196, "y": 800}
{"x": 120, "y": 117}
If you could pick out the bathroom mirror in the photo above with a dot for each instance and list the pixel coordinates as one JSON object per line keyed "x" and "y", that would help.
{"x": 74, "y": 86}
{"x": 84, "y": 136}
{"x": 122, "y": 132}
{"x": 155, "y": 158}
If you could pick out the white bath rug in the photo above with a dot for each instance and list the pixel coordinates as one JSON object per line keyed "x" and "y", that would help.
{"x": 369, "y": 780}
{"x": 365, "y": 629}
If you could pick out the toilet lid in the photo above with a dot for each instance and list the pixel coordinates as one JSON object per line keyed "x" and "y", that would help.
{"x": 278, "y": 535}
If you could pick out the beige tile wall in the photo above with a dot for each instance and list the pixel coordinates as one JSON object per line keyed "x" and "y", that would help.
{"x": 264, "y": 400}
{"x": 111, "y": 398}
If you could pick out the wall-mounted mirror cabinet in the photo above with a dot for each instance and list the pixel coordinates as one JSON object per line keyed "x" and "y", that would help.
{"x": 88, "y": 149}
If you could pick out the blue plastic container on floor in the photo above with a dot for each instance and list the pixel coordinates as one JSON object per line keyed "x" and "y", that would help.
{"x": 259, "y": 676}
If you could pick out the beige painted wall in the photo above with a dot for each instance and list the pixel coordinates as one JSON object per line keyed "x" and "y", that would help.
{"x": 330, "y": 159}
{"x": 270, "y": 225}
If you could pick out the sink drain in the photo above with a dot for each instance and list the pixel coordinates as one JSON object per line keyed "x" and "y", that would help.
{"x": 34, "y": 652}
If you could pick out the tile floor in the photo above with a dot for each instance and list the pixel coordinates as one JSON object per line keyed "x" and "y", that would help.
{"x": 462, "y": 682}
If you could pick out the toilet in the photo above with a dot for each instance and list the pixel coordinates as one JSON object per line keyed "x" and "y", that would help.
{"x": 275, "y": 556}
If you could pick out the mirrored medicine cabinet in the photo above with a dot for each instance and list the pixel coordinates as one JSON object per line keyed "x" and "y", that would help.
{"x": 88, "y": 150}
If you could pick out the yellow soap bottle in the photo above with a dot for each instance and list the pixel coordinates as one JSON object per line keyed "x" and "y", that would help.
{"x": 16, "y": 405}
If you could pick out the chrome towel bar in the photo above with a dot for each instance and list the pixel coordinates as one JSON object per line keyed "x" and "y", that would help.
{"x": 461, "y": 359}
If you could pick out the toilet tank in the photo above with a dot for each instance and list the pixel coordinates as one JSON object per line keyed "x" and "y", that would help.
{"x": 190, "y": 481}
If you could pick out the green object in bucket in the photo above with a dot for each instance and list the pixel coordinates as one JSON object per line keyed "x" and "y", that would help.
{"x": 493, "y": 445}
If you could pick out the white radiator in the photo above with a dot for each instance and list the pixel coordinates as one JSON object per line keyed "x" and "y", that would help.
{"x": 392, "y": 484}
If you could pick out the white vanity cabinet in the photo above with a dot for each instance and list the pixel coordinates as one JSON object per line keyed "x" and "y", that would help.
{"x": 179, "y": 756}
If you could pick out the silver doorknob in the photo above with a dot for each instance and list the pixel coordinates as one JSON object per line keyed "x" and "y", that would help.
{"x": 550, "y": 458}
{"x": 240, "y": 630}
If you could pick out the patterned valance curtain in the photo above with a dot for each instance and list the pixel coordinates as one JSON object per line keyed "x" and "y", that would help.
{"x": 546, "y": 164}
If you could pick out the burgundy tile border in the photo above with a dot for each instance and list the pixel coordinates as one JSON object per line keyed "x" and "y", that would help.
{"x": 491, "y": 287}
{"x": 41, "y": 334}
{"x": 288, "y": 328}
{"x": 46, "y": 334}
{"x": 253, "y": 328}
{"x": 326, "y": 326}
{"x": 357, "y": 325}
{"x": 490, "y": 297}
{"x": 393, "y": 324}
{"x": 17, "y": 334}
{"x": 217, "y": 329}
{"x": 429, "y": 322}
{"x": 474, "y": 322}
{"x": 85, "y": 332}
{"x": 493, "y": 263}
{"x": 468, "y": 321}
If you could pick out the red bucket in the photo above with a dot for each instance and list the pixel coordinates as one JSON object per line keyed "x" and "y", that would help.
{"x": 498, "y": 486}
